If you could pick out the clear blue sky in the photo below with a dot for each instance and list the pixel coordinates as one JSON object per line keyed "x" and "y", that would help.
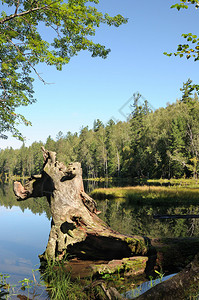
{"x": 92, "y": 88}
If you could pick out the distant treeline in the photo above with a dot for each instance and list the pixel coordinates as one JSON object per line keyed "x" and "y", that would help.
{"x": 150, "y": 144}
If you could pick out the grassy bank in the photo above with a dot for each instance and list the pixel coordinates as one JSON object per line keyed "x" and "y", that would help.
{"x": 150, "y": 194}
{"x": 186, "y": 182}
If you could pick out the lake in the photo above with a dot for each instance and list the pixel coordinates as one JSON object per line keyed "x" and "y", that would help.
{"x": 23, "y": 236}
{"x": 25, "y": 227}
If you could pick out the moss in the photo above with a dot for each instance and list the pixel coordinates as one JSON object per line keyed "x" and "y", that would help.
{"x": 137, "y": 245}
{"x": 127, "y": 266}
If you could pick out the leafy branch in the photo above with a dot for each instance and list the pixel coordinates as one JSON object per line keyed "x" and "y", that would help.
{"x": 185, "y": 3}
{"x": 191, "y": 48}
{"x": 32, "y": 9}
{"x": 22, "y": 45}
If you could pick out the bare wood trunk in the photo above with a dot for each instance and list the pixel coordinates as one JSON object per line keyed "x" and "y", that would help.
{"x": 76, "y": 229}
{"x": 180, "y": 286}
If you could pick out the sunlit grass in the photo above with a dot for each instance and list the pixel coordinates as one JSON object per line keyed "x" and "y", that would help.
{"x": 150, "y": 194}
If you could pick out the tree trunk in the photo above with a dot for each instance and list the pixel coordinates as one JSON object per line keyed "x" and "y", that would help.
{"x": 181, "y": 286}
{"x": 76, "y": 229}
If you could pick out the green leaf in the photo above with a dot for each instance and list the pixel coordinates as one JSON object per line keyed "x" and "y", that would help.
{"x": 24, "y": 44}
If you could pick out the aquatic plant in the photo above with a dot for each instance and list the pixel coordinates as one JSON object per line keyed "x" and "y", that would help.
{"x": 59, "y": 284}
{"x": 4, "y": 286}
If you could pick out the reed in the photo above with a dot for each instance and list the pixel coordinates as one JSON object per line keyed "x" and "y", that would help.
{"x": 149, "y": 194}
{"x": 60, "y": 284}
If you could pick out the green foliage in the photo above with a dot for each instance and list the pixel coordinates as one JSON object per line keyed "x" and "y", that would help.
{"x": 23, "y": 44}
{"x": 141, "y": 158}
{"x": 187, "y": 90}
{"x": 97, "y": 125}
{"x": 185, "y": 3}
{"x": 4, "y": 287}
{"x": 26, "y": 283}
{"x": 191, "y": 47}
{"x": 60, "y": 286}
{"x": 159, "y": 144}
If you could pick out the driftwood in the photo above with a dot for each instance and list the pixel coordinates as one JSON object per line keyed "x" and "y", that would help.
{"x": 76, "y": 229}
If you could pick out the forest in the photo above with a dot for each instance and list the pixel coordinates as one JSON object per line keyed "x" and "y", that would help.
{"x": 163, "y": 143}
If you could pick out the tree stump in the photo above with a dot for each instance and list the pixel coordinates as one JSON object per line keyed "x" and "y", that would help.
{"x": 75, "y": 228}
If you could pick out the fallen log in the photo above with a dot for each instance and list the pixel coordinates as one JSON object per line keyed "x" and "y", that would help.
{"x": 176, "y": 216}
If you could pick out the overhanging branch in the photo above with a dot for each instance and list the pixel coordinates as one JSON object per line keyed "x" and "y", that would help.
{"x": 17, "y": 15}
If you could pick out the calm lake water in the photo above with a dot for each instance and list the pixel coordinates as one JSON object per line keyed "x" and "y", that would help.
{"x": 23, "y": 236}
{"x": 25, "y": 226}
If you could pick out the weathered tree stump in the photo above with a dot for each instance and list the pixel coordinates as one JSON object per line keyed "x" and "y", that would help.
{"x": 75, "y": 228}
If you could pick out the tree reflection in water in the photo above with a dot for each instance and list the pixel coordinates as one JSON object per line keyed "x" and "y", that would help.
{"x": 25, "y": 227}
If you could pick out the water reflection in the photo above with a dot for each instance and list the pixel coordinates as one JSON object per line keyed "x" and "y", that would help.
{"x": 36, "y": 205}
{"x": 23, "y": 236}
{"x": 25, "y": 226}
{"x": 90, "y": 185}
{"x": 129, "y": 218}
{"x": 145, "y": 287}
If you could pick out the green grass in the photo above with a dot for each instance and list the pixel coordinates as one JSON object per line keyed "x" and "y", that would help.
{"x": 150, "y": 194}
{"x": 61, "y": 286}
{"x": 55, "y": 280}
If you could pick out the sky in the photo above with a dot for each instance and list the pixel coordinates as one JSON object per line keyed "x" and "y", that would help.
{"x": 93, "y": 88}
